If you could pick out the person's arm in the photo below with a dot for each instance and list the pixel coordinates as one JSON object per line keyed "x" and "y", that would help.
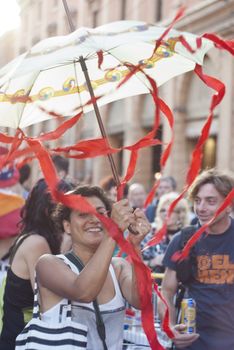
{"x": 55, "y": 275}
{"x": 156, "y": 260}
{"x": 170, "y": 282}
{"x": 127, "y": 281}
{"x": 169, "y": 288}
{"x": 27, "y": 255}
{"x": 85, "y": 286}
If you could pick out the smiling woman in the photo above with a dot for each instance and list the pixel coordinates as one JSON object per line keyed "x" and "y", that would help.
{"x": 110, "y": 280}
{"x": 9, "y": 16}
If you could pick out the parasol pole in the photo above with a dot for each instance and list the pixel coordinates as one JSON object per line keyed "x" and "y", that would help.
{"x": 68, "y": 13}
{"x": 96, "y": 109}
{"x": 95, "y": 106}
{"x": 99, "y": 119}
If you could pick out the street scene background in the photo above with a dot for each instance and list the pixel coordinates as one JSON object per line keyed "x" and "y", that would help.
{"x": 129, "y": 119}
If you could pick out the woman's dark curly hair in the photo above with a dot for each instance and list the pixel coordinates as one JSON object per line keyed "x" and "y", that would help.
{"x": 62, "y": 212}
{"x": 36, "y": 214}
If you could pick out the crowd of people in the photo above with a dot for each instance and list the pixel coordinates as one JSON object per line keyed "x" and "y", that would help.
{"x": 41, "y": 232}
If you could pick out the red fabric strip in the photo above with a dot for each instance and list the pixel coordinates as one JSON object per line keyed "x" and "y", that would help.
{"x": 195, "y": 164}
{"x": 216, "y": 99}
{"x": 185, "y": 43}
{"x": 160, "y": 104}
{"x": 15, "y": 143}
{"x": 194, "y": 168}
{"x": 18, "y": 153}
{"x": 131, "y": 166}
{"x": 177, "y": 17}
{"x": 147, "y": 313}
{"x": 98, "y": 147}
{"x": 197, "y": 154}
{"x": 144, "y": 283}
{"x": 68, "y": 124}
{"x": 87, "y": 149}
{"x": 145, "y": 141}
{"x": 165, "y": 325}
{"x": 151, "y": 194}
{"x": 51, "y": 113}
{"x": 166, "y": 153}
{"x": 213, "y": 83}
{"x": 5, "y": 138}
{"x": 133, "y": 69}
{"x": 227, "y": 45}
{"x": 160, "y": 234}
{"x": 100, "y": 58}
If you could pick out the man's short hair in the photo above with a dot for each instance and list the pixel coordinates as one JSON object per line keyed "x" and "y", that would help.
{"x": 107, "y": 183}
{"x": 223, "y": 182}
{"x": 171, "y": 180}
{"x": 25, "y": 172}
{"x": 61, "y": 163}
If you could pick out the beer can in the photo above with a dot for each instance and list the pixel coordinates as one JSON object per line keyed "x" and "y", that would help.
{"x": 188, "y": 315}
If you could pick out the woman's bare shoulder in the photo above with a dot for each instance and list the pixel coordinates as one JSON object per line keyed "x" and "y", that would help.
{"x": 34, "y": 245}
{"x": 34, "y": 240}
{"x": 50, "y": 260}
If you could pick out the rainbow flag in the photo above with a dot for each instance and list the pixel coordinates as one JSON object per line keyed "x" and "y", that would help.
{"x": 10, "y": 206}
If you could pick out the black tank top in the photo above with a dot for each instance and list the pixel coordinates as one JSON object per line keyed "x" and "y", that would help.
{"x": 17, "y": 303}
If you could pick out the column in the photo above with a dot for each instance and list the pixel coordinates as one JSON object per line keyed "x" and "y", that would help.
{"x": 225, "y": 143}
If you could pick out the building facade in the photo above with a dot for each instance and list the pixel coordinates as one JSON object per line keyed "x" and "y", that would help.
{"x": 129, "y": 119}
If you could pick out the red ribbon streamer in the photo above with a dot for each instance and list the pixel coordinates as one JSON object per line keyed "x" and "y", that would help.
{"x": 165, "y": 325}
{"x": 178, "y": 16}
{"x": 227, "y": 45}
{"x": 195, "y": 164}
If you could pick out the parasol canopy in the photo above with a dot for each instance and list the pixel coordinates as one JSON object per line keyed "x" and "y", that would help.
{"x": 49, "y": 76}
